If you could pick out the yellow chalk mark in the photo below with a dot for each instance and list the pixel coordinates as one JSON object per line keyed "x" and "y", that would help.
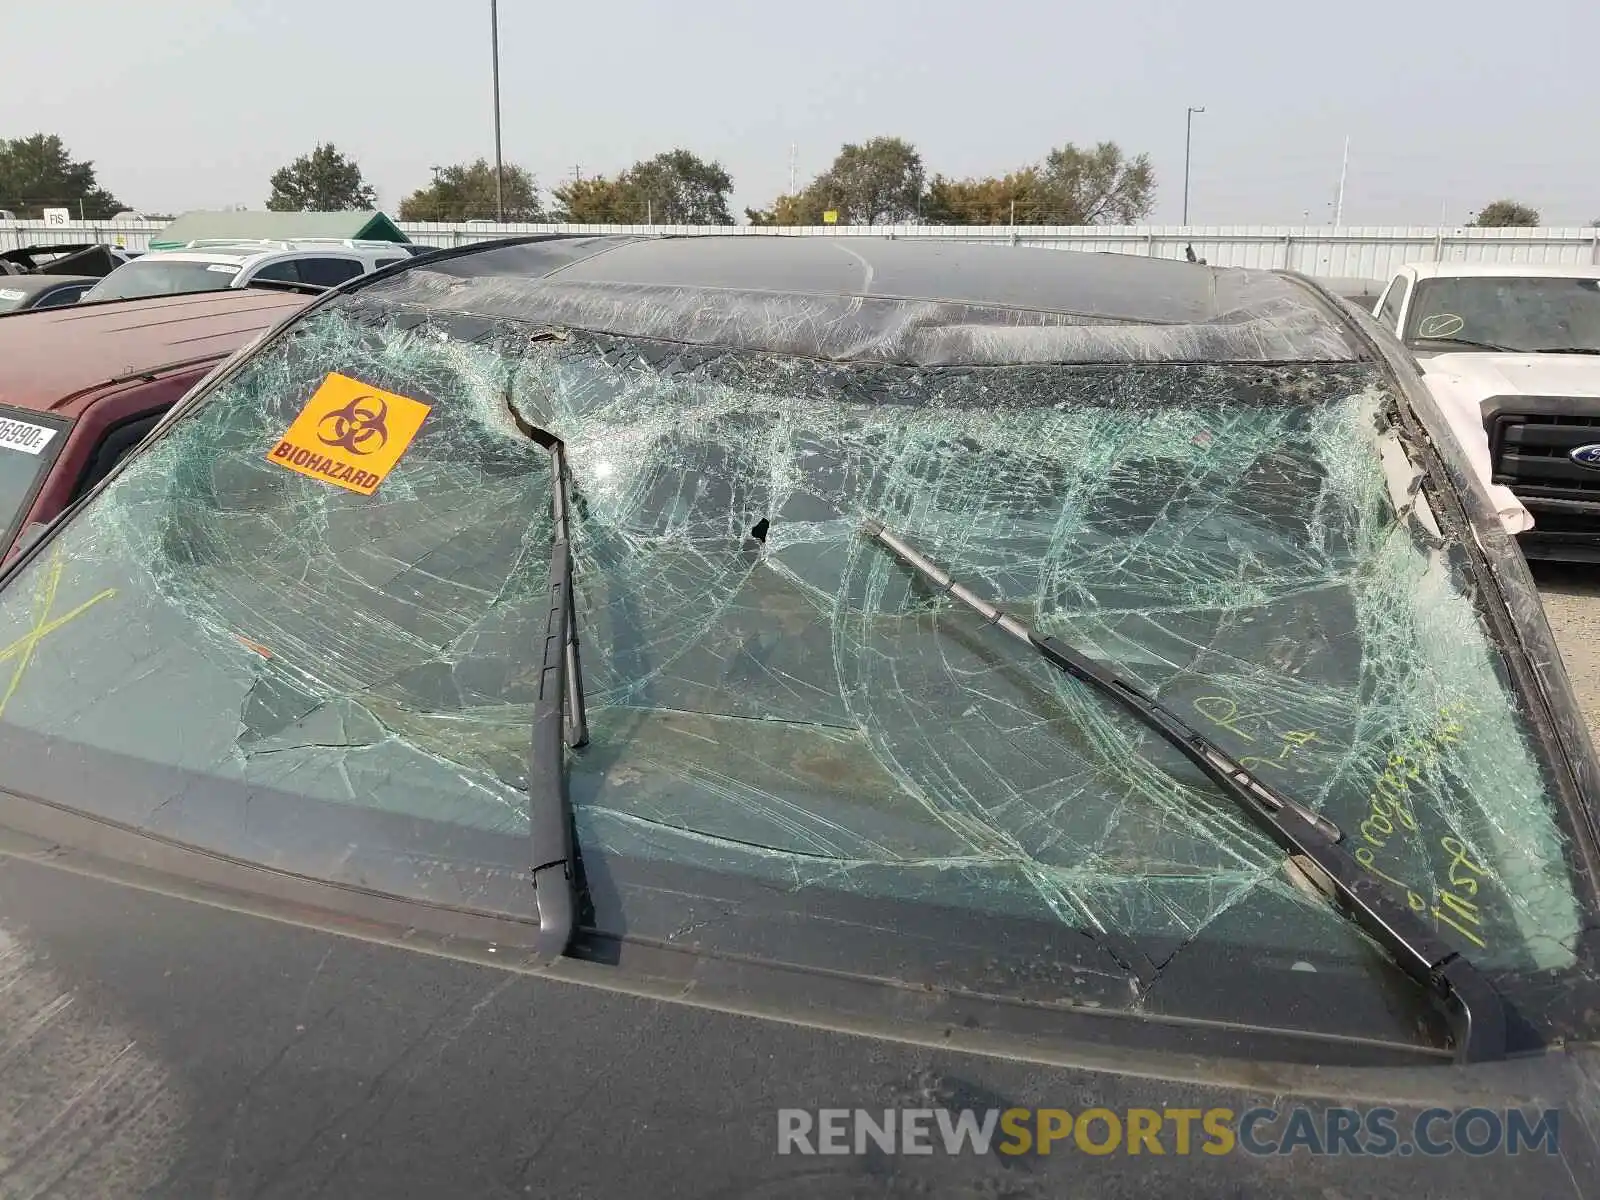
{"x": 44, "y": 599}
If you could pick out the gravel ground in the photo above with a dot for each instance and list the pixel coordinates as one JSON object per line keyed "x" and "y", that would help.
{"x": 1572, "y": 604}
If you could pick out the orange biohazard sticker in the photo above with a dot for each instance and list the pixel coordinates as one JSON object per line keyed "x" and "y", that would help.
{"x": 349, "y": 434}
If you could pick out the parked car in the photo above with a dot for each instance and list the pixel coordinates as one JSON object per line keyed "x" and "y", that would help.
{"x": 80, "y": 386}
{"x": 1513, "y": 350}
{"x": 213, "y": 265}
{"x": 66, "y": 258}
{"x": 22, "y": 292}
{"x": 513, "y": 731}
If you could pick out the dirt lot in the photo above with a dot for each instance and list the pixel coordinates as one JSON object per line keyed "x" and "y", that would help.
{"x": 1572, "y": 602}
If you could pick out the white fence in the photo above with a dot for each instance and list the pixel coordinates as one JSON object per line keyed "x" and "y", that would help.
{"x": 1355, "y": 251}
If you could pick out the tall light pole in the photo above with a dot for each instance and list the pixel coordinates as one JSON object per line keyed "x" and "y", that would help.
{"x": 499, "y": 168}
{"x": 1188, "y": 138}
{"x": 1344, "y": 172}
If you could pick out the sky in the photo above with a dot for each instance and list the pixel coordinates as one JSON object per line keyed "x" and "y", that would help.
{"x": 186, "y": 104}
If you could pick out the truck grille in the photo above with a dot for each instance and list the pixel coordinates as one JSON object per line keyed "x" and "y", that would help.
{"x": 1530, "y": 455}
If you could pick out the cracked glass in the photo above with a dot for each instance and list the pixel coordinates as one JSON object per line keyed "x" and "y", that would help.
{"x": 771, "y": 695}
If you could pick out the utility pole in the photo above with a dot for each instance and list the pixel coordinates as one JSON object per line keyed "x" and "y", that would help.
{"x": 499, "y": 166}
{"x": 1188, "y": 139}
{"x": 1344, "y": 170}
{"x": 794, "y": 154}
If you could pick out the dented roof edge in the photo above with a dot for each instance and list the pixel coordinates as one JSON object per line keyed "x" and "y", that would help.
{"x": 881, "y": 300}
{"x": 1518, "y": 621}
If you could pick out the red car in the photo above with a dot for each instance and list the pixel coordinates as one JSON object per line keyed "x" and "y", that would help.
{"x": 80, "y": 386}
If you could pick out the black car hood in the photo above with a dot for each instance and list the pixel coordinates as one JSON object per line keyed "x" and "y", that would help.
{"x": 154, "y": 1045}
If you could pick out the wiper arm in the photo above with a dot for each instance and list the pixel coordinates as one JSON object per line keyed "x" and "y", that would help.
{"x": 1473, "y": 1008}
{"x": 558, "y": 721}
{"x": 1566, "y": 350}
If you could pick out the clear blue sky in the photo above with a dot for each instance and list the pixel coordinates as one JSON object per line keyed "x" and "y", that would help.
{"x": 193, "y": 103}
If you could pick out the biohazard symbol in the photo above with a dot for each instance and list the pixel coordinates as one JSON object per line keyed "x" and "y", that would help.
{"x": 361, "y": 427}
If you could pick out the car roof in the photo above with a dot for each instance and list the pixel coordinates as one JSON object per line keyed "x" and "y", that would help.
{"x": 34, "y": 284}
{"x": 49, "y": 357}
{"x": 1466, "y": 270}
{"x": 237, "y": 257}
{"x": 923, "y": 300}
{"x": 243, "y": 253}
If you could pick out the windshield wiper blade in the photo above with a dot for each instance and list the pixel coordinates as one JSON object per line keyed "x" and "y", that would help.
{"x": 558, "y": 721}
{"x": 1455, "y": 341}
{"x": 1470, "y": 1004}
{"x": 1566, "y": 350}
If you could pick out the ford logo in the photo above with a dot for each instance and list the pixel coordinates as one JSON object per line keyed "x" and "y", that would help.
{"x": 1586, "y": 456}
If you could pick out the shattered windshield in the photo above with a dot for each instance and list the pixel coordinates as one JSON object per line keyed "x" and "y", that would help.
{"x": 324, "y": 583}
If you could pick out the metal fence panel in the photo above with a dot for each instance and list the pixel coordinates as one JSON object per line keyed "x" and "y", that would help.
{"x": 1354, "y": 251}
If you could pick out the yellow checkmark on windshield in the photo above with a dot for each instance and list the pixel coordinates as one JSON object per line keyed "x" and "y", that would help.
{"x": 44, "y": 600}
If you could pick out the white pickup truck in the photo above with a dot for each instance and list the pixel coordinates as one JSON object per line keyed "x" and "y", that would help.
{"x": 1514, "y": 350}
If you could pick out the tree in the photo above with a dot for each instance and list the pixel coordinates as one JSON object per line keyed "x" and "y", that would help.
{"x": 676, "y": 188}
{"x": 595, "y": 201}
{"x": 804, "y": 209}
{"x": 1499, "y": 214}
{"x": 37, "y": 173}
{"x": 322, "y": 181}
{"x": 1095, "y": 187}
{"x": 876, "y": 183}
{"x": 881, "y": 181}
{"x": 1010, "y": 199}
{"x": 467, "y": 191}
{"x": 1070, "y": 187}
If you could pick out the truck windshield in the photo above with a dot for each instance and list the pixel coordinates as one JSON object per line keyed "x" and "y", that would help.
{"x": 319, "y": 590}
{"x": 1528, "y": 315}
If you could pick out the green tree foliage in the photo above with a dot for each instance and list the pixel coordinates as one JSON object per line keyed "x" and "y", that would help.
{"x": 322, "y": 181}
{"x": 678, "y": 188}
{"x": 466, "y": 192}
{"x": 1499, "y": 214}
{"x": 1098, "y": 186}
{"x": 878, "y": 182}
{"x": 881, "y": 181}
{"x": 37, "y": 173}
{"x": 675, "y": 188}
{"x": 594, "y": 201}
{"x": 804, "y": 209}
{"x": 991, "y": 201}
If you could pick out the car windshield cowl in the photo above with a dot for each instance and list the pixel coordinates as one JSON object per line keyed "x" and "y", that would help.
{"x": 352, "y": 615}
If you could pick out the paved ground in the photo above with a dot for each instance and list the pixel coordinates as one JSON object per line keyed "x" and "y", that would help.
{"x": 1572, "y": 603}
